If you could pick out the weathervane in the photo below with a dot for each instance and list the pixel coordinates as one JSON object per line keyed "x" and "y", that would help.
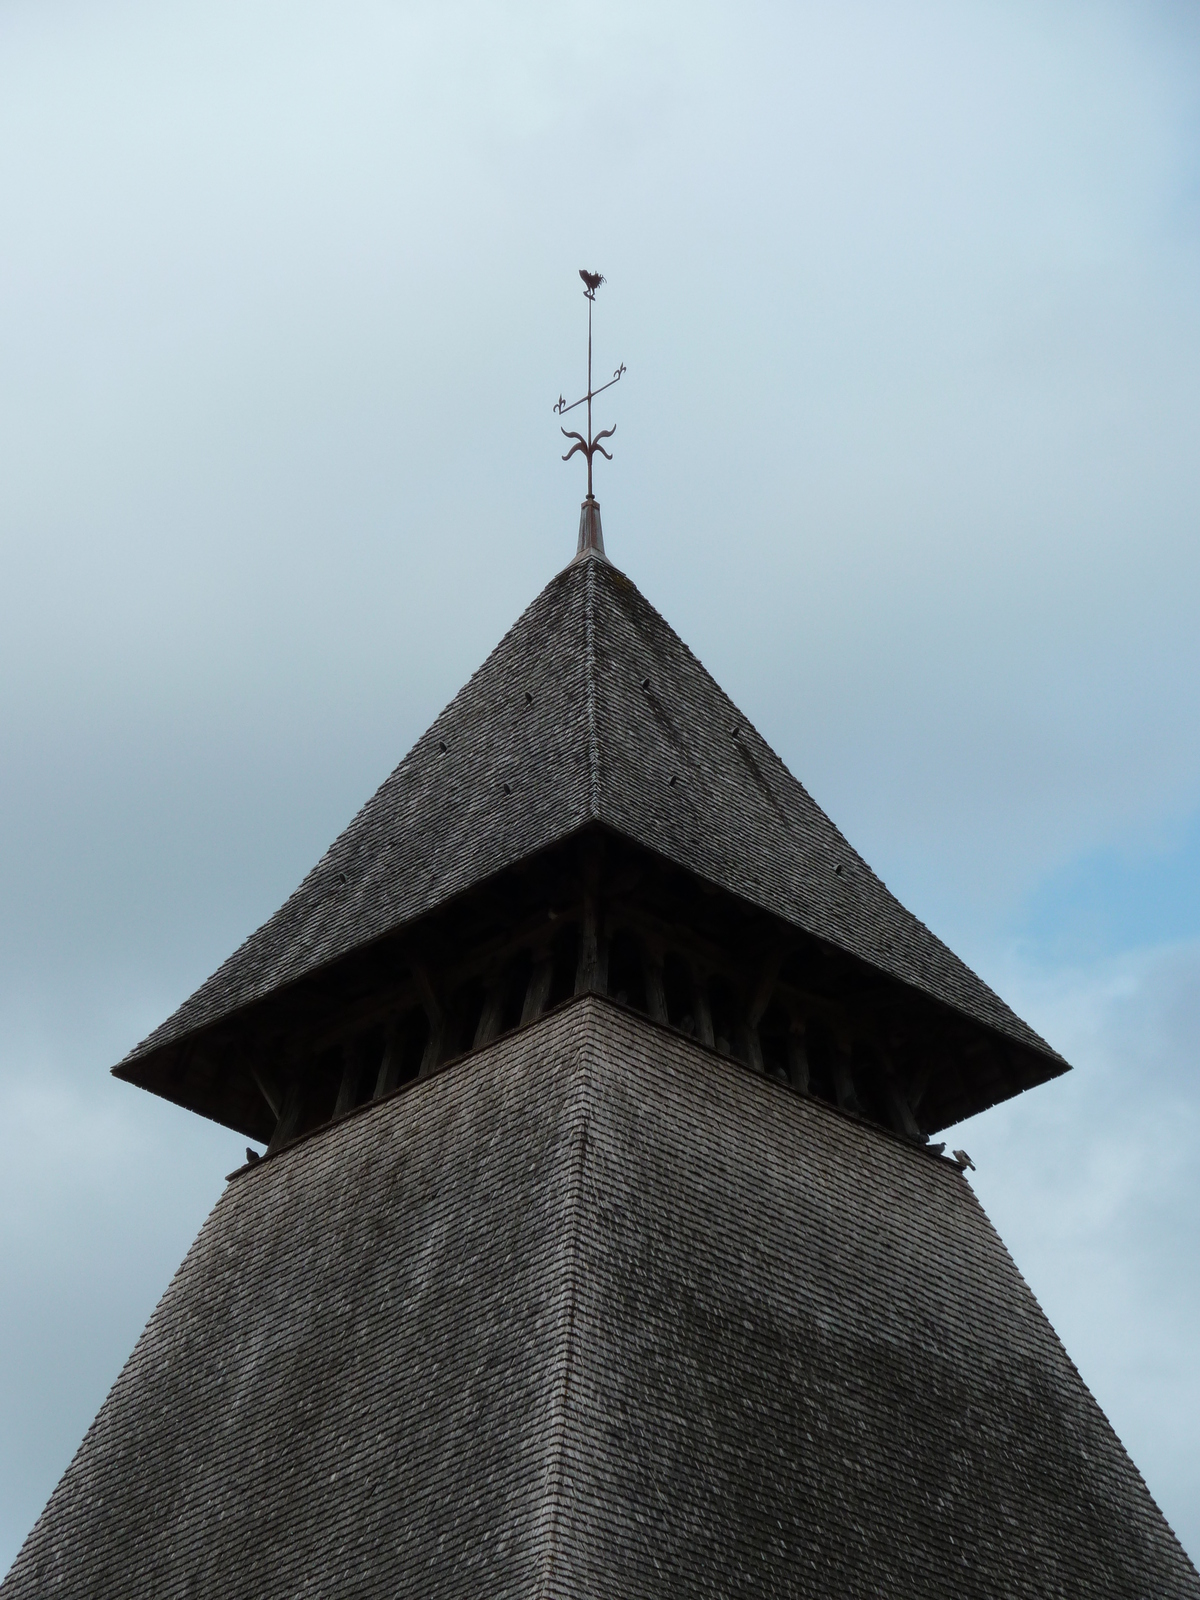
{"x": 589, "y": 522}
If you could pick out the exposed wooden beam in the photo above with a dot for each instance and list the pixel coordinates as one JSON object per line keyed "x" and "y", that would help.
{"x": 765, "y": 988}
{"x": 537, "y": 993}
{"x": 843, "y": 1077}
{"x": 899, "y": 1107}
{"x": 652, "y": 977}
{"x": 701, "y": 1009}
{"x": 347, "y": 1094}
{"x": 290, "y": 1114}
{"x": 391, "y": 1060}
{"x": 797, "y": 1058}
{"x": 492, "y": 1015}
{"x": 591, "y": 975}
{"x": 268, "y": 1090}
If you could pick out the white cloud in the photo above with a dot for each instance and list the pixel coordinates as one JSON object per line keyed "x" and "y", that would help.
{"x": 1094, "y": 1184}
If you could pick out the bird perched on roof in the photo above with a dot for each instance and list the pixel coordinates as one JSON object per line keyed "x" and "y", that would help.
{"x": 252, "y": 1156}
{"x": 964, "y": 1161}
{"x": 592, "y": 280}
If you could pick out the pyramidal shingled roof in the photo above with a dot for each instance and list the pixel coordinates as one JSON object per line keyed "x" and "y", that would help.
{"x": 584, "y": 713}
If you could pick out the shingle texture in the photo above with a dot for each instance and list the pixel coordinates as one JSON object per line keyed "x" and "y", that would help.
{"x": 586, "y": 710}
{"x": 596, "y": 1312}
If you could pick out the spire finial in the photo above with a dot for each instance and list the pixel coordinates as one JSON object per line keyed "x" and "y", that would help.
{"x": 590, "y": 536}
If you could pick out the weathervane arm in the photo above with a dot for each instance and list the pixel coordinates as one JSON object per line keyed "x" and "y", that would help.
{"x": 616, "y": 378}
{"x": 561, "y": 408}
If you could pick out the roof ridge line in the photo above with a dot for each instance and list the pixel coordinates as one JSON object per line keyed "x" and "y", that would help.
{"x": 589, "y": 668}
{"x": 561, "y": 1381}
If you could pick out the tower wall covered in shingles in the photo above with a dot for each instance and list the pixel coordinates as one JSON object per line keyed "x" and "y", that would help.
{"x": 597, "y": 1312}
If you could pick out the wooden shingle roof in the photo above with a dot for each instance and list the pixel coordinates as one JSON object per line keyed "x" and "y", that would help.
{"x": 591, "y": 710}
{"x": 595, "y": 1312}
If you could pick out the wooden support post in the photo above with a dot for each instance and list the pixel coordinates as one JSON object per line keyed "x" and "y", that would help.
{"x": 761, "y": 998}
{"x": 436, "y": 1014}
{"x": 921, "y": 1081}
{"x": 591, "y": 971}
{"x": 652, "y": 975}
{"x": 752, "y": 1048}
{"x": 759, "y": 1001}
{"x": 390, "y": 1062}
{"x": 843, "y": 1077}
{"x": 492, "y": 1015}
{"x": 267, "y": 1089}
{"x": 347, "y": 1094}
{"x": 701, "y": 1009}
{"x": 900, "y": 1111}
{"x": 290, "y": 1113}
{"x": 541, "y": 980}
{"x": 797, "y": 1054}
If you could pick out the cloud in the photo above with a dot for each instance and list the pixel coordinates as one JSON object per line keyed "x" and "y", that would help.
{"x": 1094, "y": 1185}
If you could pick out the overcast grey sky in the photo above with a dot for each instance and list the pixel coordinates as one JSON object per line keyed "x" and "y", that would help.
{"x": 907, "y": 452}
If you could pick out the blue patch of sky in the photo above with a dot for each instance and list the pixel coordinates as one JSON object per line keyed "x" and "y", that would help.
{"x": 1122, "y": 897}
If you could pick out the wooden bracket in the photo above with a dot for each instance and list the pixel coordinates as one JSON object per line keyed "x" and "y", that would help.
{"x": 541, "y": 980}
{"x": 268, "y": 1091}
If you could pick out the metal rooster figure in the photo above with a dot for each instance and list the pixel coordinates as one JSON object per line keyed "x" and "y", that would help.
{"x": 589, "y": 446}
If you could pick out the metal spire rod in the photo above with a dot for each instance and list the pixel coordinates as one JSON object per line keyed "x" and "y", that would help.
{"x": 588, "y": 446}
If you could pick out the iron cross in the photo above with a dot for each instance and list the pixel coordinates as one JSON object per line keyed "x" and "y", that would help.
{"x": 588, "y": 446}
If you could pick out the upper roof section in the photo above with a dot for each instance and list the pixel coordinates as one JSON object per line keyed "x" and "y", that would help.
{"x": 590, "y": 710}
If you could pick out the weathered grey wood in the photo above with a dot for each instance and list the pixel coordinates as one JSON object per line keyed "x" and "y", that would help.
{"x": 592, "y": 957}
{"x": 348, "y": 1086}
{"x": 538, "y": 992}
{"x": 652, "y": 976}
{"x": 290, "y": 1114}
{"x": 432, "y": 1053}
{"x": 491, "y": 1017}
{"x": 268, "y": 1090}
{"x": 391, "y": 1061}
{"x": 797, "y": 1057}
{"x": 765, "y": 988}
{"x": 587, "y": 970}
{"x": 436, "y": 1013}
{"x": 752, "y": 1049}
{"x": 701, "y": 1010}
{"x": 712, "y": 958}
{"x": 843, "y": 1078}
{"x": 921, "y": 1080}
{"x": 901, "y": 1112}
{"x": 430, "y": 999}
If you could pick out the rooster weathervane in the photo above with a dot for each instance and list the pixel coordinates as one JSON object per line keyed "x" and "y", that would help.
{"x": 588, "y": 446}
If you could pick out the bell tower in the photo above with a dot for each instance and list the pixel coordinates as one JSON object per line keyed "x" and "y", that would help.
{"x": 603, "y": 1244}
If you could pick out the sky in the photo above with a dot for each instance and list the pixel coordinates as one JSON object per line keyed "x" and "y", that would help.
{"x": 906, "y": 451}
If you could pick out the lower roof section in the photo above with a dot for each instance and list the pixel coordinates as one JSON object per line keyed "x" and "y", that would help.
{"x": 595, "y": 1312}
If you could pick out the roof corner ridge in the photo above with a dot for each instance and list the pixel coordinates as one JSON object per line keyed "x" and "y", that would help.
{"x": 590, "y": 676}
{"x": 580, "y": 1114}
